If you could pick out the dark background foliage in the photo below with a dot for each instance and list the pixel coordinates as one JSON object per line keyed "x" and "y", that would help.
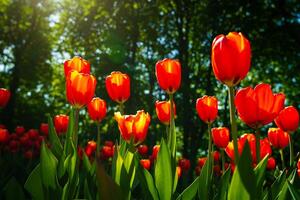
{"x": 36, "y": 36}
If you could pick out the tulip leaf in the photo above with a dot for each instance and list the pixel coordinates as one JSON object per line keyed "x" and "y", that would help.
{"x": 294, "y": 193}
{"x": 243, "y": 178}
{"x": 190, "y": 192}
{"x": 278, "y": 184}
{"x": 86, "y": 162}
{"x": 13, "y": 190}
{"x": 107, "y": 188}
{"x": 33, "y": 184}
{"x": 259, "y": 172}
{"x": 285, "y": 191}
{"x": 163, "y": 172}
{"x": 56, "y": 145}
{"x": 48, "y": 168}
{"x": 224, "y": 183}
{"x": 204, "y": 179}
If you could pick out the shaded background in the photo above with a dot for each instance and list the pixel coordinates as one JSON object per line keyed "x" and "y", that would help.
{"x": 36, "y": 36}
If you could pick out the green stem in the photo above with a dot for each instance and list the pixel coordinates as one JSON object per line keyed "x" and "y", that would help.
{"x": 223, "y": 161}
{"x": 121, "y": 108}
{"x": 291, "y": 151}
{"x": 75, "y": 135}
{"x": 166, "y": 135}
{"x": 98, "y": 138}
{"x": 233, "y": 123}
{"x": 257, "y": 145}
{"x": 172, "y": 134}
{"x": 282, "y": 158}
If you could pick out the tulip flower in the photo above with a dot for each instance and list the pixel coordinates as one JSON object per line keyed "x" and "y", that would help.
{"x": 4, "y": 135}
{"x": 288, "y": 119}
{"x": 259, "y": 106}
{"x": 61, "y": 123}
{"x": 163, "y": 111}
{"x": 4, "y": 97}
{"x": 230, "y": 58}
{"x": 201, "y": 161}
{"x": 118, "y": 86}
{"x": 278, "y": 138}
{"x": 168, "y": 74}
{"x": 133, "y": 127}
{"x": 230, "y": 149}
{"x": 271, "y": 163}
{"x": 44, "y": 128}
{"x": 19, "y": 130}
{"x": 145, "y": 163}
{"x": 90, "y": 148}
{"x": 109, "y": 143}
{"x": 220, "y": 137}
{"x": 298, "y": 167}
{"x": 77, "y": 64}
{"x": 155, "y": 151}
{"x": 216, "y": 156}
{"x": 184, "y": 164}
{"x": 179, "y": 171}
{"x": 143, "y": 149}
{"x": 207, "y": 108}
{"x": 80, "y": 88}
{"x": 107, "y": 152}
{"x": 33, "y": 134}
{"x": 97, "y": 109}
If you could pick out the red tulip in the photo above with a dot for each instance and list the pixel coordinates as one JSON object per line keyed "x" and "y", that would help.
{"x": 14, "y": 146}
{"x": 288, "y": 119}
{"x": 33, "y": 134}
{"x": 145, "y": 163}
{"x": 133, "y": 126}
{"x": 230, "y": 149}
{"x": 44, "y": 128}
{"x": 90, "y": 148}
{"x": 97, "y": 109}
{"x": 201, "y": 161}
{"x": 298, "y": 167}
{"x": 19, "y": 130}
{"x": 184, "y": 164}
{"x": 155, "y": 151}
{"x": 109, "y": 143}
{"x": 179, "y": 171}
{"x": 217, "y": 170}
{"x": 80, "y": 152}
{"x": 163, "y": 111}
{"x": 197, "y": 170}
{"x": 107, "y": 152}
{"x": 207, "y": 108}
{"x": 216, "y": 156}
{"x": 278, "y": 138}
{"x": 230, "y": 58}
{"x": 220, "y": 137}
{"x": 4, "y": 97}
{"x": 271, "y": 164}
{"x": 80, "y": 88}
{"x": 28, "y": 154}
{"x": 77, "y": 64}
{"x": 118, "y": 86}
{"x": 259, "y": 106}
{"x": 4, "y": 135}
{"x": 143, "y": 149}
{"x": 61, "y": 123}
{"x": 168, "y": 74}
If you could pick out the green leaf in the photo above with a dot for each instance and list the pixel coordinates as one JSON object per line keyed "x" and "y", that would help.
{"x": 278, "y": 184}
{"x": 190, "y": 192}
{"x": 33, "y": 184}
{"x": 204, "y": 179}
{"x": 163, "y": 172}
{"x": 13, "y": 190}
{"x": 243, "y": 180}
{"x": 129, "y": 166}
{"x": 86, "y": 162}
{"x": 107, "y": 188}
{"x": 56, "y": 145}
{"x": 224, "y": 183}
{"x": 284, "y": 191}
{"x": 295, "y": 195}
{"x": 259, "y": 172}
{"x": 48, "y": 168}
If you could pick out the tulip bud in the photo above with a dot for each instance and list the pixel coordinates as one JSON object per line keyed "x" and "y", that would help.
{"x": 163, "y": 111}
{"x": 4, "y": 97}
{"x": 77, "y": 64}
{"x": 4, "y": 135}
{"x": 184, "y": 164}
{"x": 288, "y": 119}
{"x": 118, "y": 86}
{"x": 143, "y": 150}
{"x": 19, "y": 130}
{"x": 145, "y": 163}
{"x": 207, "y": 108}
{"x": 61, "y": 123}
{"x": 97, "y": 109}
{"x": 278, "y": 138}
{"x": 220, "y": 136}
{"x": 271, "y": 164}
{"x": 44, "y": 129}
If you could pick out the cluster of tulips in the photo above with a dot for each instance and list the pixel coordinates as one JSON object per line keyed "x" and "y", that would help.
{"x": 256, "y": 107}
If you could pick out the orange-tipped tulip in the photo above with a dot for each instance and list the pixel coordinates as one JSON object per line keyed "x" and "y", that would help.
{"x": 278, "y": 138}
{"x": 97, "y": 109}
{"x": 259, "y": 106}
{"x": 61, "y": 123}
{"x": 168, "y": 74}
{"x": 133, "y": 127}
{"x": 77, "y": 64}
{"x": 145, "y": 163}
{"x": 163, "y": 111}
{"x": 118, "y": 86}
{"x": 288, "y": 119}
{"x": 230, "y": 58}
{"x": 207, "y": 108}
{"x": 80, "y": 88}
{"x": 4, "y": 97}
{"x": 220, "y": 136}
